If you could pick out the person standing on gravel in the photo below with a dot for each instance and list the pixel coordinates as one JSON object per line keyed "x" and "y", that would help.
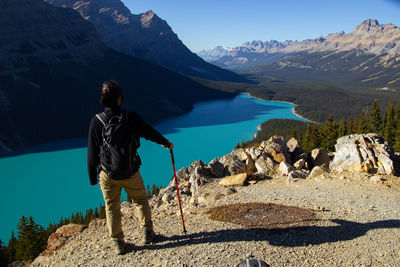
{"x": 112, "y": 156}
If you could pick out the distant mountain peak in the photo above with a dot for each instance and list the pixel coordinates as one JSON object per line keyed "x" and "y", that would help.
{"x": 370, "y": 22}
{"x": 367, "y": 25}
{"x": 147, "y": 17}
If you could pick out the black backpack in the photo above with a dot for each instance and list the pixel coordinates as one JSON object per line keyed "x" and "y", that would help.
{"x": 118, "y": 153}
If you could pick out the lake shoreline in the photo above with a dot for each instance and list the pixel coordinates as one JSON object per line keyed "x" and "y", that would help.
{"x": 281, "y": 101}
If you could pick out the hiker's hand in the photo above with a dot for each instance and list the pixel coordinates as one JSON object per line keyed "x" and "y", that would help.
{"x": 169, "y": 146}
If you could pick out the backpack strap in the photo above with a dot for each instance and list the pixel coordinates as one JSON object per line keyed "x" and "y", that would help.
{"x": 102, "y": 118}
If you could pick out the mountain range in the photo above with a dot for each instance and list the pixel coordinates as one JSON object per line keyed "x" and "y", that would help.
{"x": 369, "y": 56}
{"x": 52, "y": 64}
{"x": 146, "y": 36}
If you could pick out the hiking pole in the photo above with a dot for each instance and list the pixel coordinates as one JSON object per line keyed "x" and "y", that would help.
{"x": 177, "y": 190}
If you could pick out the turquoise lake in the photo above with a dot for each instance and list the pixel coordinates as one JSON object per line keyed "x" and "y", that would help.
{"x": 48, "y": 185}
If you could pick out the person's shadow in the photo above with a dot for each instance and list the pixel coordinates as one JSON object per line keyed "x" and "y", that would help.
{"x": 290, "y": 237}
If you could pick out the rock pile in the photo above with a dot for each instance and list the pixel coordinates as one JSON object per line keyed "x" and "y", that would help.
{"x": 277, "y": 158}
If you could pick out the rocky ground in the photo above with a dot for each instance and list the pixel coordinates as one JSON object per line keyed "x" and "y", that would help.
{"x": 354, "y": 220}
{"x": 359, "y": 225}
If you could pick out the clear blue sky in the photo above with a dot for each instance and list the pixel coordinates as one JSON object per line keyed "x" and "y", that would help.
{"x": 205, "y": 24}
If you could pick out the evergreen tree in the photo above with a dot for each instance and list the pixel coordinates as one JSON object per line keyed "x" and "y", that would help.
{"x": 363, "y": 124}
{"x": 30, "y": 242}
{"x": 375, "y": 120}
{"x": 397, "y": 113}
{"x": 96, "y": 213}
{"x": 389, "y": 125}
{"x": 306, "y": 141}
{"x": 148, "y": 192}
{"x": 102, "y": 212}
{"x": 329, "y": 134}
{"x": 396, "y": 145}
{"x": 315, "y": 137}
{"x": 3, "y": 254}
{"x": 12, "y": 247}
{"x": 243, "y": 145}
{"x": 342, "y": 131}
{"x": 350, "y": 128}
{"x": 355, "y": 126}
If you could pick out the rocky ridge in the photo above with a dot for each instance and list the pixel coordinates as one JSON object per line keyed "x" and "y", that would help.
{"x": 145, "y": 35}
{"x": 369, "y": 37}
{"x": 358, "y": 213}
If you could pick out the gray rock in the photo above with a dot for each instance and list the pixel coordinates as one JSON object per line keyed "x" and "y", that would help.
{"x": 254, "y": 152}
{"x": 196, "y": 180}
{"x": 183, "y": 175}
{"x": 265, "y": 165}
{"x": 216, "y": 168}
{"x": 364, "y": 153}
{"x": 240, "y": 153}
{"x": 167, "y": 198}
{"x": 233, "y": 165}
{"x": 195, "y": 164}
{"x": 285, "y": 168}
{"x": 298, "y": 174}
{"x": 317, "y": 171}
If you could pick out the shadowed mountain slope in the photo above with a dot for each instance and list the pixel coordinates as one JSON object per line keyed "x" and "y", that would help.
{"x": 145, "y": 36}
{"x": 52, "y": 64}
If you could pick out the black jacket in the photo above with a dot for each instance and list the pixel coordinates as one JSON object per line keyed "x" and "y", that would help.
{"x": 95, "y": 140}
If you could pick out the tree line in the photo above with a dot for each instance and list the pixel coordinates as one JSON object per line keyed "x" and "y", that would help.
{"x": 31, "y": 238}
{"x": 312, "y": 135}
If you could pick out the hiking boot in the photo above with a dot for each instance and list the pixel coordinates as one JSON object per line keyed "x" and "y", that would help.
{"x": 119, "y": 246}
{"x": 148, "y": 236}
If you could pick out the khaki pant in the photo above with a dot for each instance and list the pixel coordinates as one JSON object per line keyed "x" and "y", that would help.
{"x": 134, "y": 187}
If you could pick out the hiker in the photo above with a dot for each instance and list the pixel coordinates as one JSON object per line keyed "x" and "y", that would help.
{"x": 117, "y": 169}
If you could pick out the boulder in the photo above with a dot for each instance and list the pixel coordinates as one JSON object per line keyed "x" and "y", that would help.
{"x": 277, "y": 149}
{"x": 285, "y": 168}
{"x": 254, "y": 152}
{"x": 60, "y": 237}
{"x": 298, "y": 174}
{"x": 234, "y": 180}
{"x": 232, "y": 164}
{"x": 240, "y": 153}
{"x": 317, "y": 171}
{"x": 320, "y": 157}
{"x": 236, "y": 167}
{"x": 299, "y": 164}
{"x": 250, "y": 166}
{"x": 196, "y": 179}
{"x": 279, "y": 157}
{"x": 364, "y": 153}
{"x": 265, "y": 165}
{"x": 216, "y": 168}
{"x": 281, "y": 141}
{"x": 294, "y": 148}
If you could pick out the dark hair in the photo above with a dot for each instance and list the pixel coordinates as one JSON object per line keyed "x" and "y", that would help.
{"x": 110, "y": 92}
